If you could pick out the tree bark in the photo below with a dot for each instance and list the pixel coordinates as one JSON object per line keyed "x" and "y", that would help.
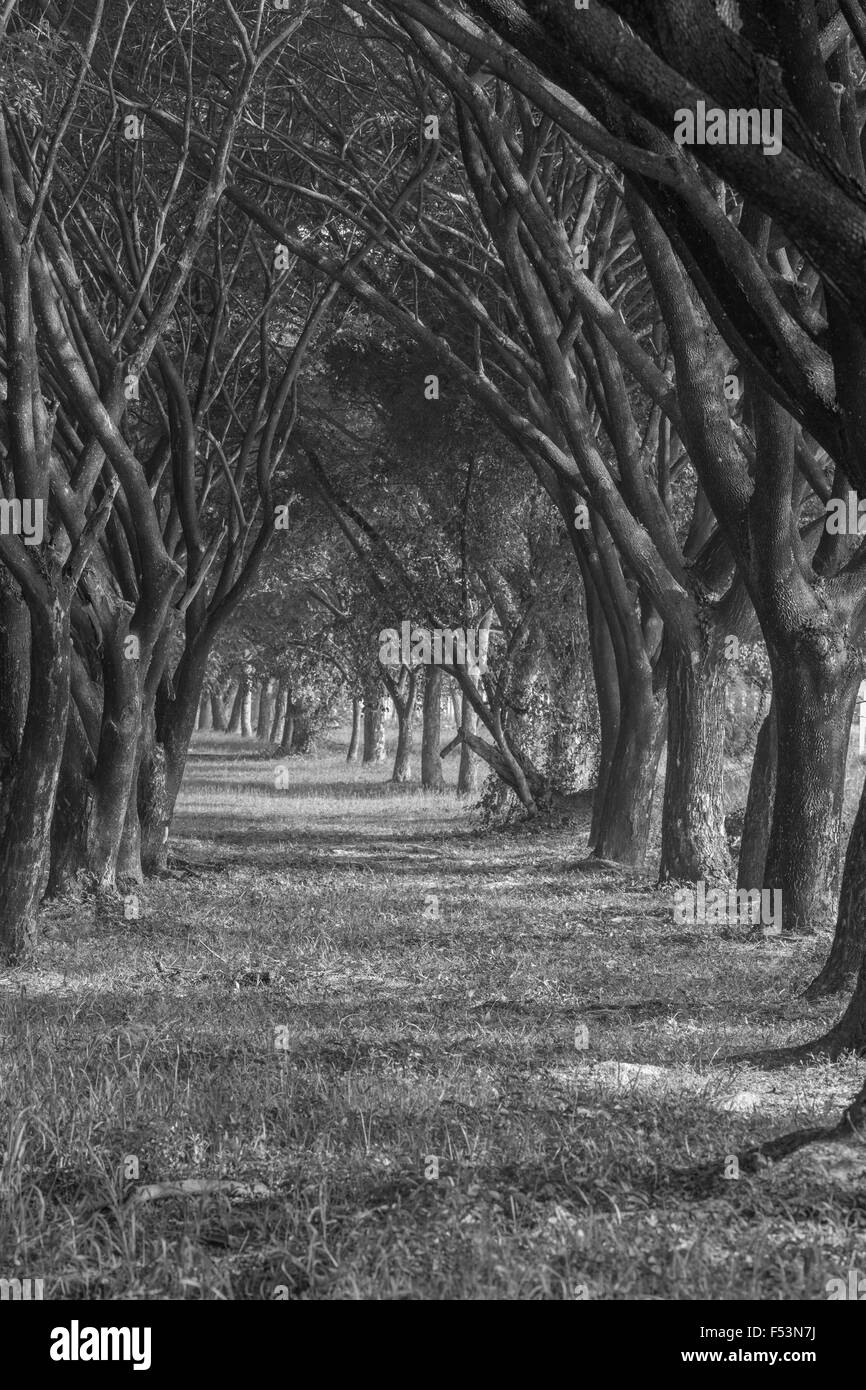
{"x": 456, "y": 705}
{"x": 357, "y": 731}
{"x": 302, "y": 733}
{"x": 153, "y": 811}
{"x": 626, "y": 813}
{"x": 467, "y": 775}
{"x": 247, "y": 707}
{"x": 288, "y": 725}
{"x": 129, "y": 867}
{"x": 849, "y": 942}
{"x": 237, "y": 709}
{"x": 71, "y": 808}
{"x": 117, "y": 755}
{"x": 204, "y": 722}
{"x": 34, "y": 779}
{"x": 174, "y": 728}
{"x": 752, "y": 865}
{"x": 219, "y": 718}
{"x": 814, "y": 701}
{"x": 694, "y": 844}
{"x": 607, "y": 698}
{"x": 280, "y": 703}
{"x": 432, "y": 776}
{"x": 404, "y": 705}
{"x": 374, "y": 725}
{"x": 14, "y": 681}
{"x": 267, "y": 708}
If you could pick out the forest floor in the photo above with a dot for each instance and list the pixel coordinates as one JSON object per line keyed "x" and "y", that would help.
{"x": 368, "y": 1014}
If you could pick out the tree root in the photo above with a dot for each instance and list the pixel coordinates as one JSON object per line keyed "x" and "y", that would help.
{"x": 595, "y": 866}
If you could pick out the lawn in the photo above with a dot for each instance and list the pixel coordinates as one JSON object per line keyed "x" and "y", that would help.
{"x": 404, "y": 1057}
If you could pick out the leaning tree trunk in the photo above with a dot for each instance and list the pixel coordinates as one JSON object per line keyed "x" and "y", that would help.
{"x": 815, "y": 703}
{"x": 432, "y": 777}
{"x": 357, "y": 730}
{"x": 751, "y": 868}
{"x": 374, "y": 725}
{"x": 34, "y": 778}
{"x": 626, "y": 812}
{"x": 694, "y": 843}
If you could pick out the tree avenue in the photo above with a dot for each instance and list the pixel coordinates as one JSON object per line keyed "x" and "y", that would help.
{"x": 485, "y": 380}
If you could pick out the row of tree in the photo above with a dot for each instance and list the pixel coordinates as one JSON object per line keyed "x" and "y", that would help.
{"x": 583, "y": 388}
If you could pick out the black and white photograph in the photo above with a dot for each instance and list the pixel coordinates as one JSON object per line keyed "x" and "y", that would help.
{"x": 432, "y": 666}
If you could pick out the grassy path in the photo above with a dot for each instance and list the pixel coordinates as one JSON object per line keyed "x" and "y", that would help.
{"x": 371, "y": 1016}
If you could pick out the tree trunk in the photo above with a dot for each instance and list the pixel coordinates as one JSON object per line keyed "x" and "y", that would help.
{"x": 174, "y": 732}
{"x": 117, "y": 755}
{"x": 694, "y": 844}
{"x": 302, "y": 734}
{"x": 219, "y": 718}
{"x": 357, "y": 724}
{"x": 608, "y": 701}
{"x": 626, "y": 813}
{"x": 751, "y": 869}
{"x": 34, "y": 779}
{"x": 129, "y": 867}
{"x": 280, "y": 704}
{"x": 237, "y": 709}
{"x": 288, "y": 726}
{"x": 374, "y": 725}
{"x": 467, "y": 776}
{"x": 153, "y": 812}
{"x": 849, "y": 1034}
{"x": 404, "y": 706}
{"x": 71, "y": 808}
{"x": 204, "y": 723}
{"x": 814, "y": 706}
{"x": 267, "y": 708}
{"x": 432, "y": 776}
{"x": 14, "y": 681}
{"x": 456, "y": 704}
{"x": 849, "y": 942}
{"x": 247, "y": 707}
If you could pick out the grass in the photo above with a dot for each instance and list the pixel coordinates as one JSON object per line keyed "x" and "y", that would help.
{"x": 348, "y": 994}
